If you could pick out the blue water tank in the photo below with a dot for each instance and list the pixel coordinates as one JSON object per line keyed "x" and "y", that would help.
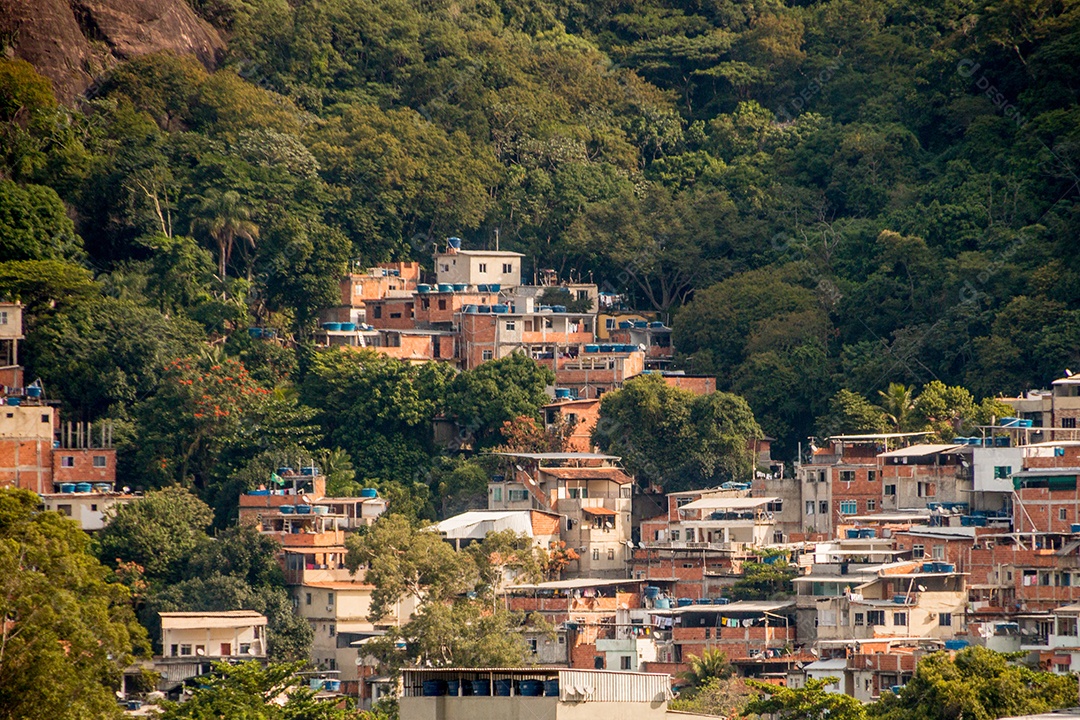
{"x": 445, "y": 287}
{"x": 255, "y": 332}
{"x": 503, "y": 687}
{"x": 607, "y": 348}
{"x": 483, "y": 308}
{"x": 33, "y": 391}
{"x": 348, "y": 326}
{"x": 103, "y": 487}
{"x": 704, "y": 601}
{"x": 551, "y": 688}
{"x": 662, "y": 603}
{"x": 494, "y": 287}
{"x": 423, "y": 288}
{"x": 332, "y": 326}
{"x": 461, "y": 287}
{"x": 67, "y": 487}
{"x": 434, "y": 688}
{"x": 721, "y": 601}
{"x": 452, "y": 687}
{"x": 652, "y": 592}
{"x": 592, "y": 348}
{"x": 558, "y": 308}
{"x": 956, "y": 644}
{"x": 332, "y": 685}
{"x": 13, "y": 401}
{"x": 303, "y": 509}
{"x": 481, "y": 687}
{"x": 500, "y": 308}
{"x": 641, "y": 324}
{"x": 626, "y": 324}
{"x": 563, "y": 393}
{"x": 656, "y": 324}
{"x": 482, "y": 288}
{"x": 685, "y": 602}
{"x": 84, "y": 487}
{"x": 287, "y": 509}
{"x": 454, "y": 242}
{"x": 468, "y": 308}
{"x": 369, "y": 493}
{"x": 531, "y": 688}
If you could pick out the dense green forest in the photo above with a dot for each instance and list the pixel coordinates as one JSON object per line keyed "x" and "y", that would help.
{"x": 820, "y": 195}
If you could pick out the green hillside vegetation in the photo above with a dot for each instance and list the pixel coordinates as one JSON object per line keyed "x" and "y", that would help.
{"x": 820, "y": 195}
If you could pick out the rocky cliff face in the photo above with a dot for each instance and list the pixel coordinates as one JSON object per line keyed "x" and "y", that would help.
{"x": 73, "y": 41}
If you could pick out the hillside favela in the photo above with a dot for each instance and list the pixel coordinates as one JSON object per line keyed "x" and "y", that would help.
{"x": 539, "y": 359}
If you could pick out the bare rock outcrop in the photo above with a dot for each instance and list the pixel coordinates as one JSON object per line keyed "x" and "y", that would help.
{"x": 73, "y": 41}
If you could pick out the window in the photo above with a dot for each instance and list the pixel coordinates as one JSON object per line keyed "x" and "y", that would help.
{"x": 175, "y": 650}
{"x": 485, "y": 355}
{"x": 1063, "y": 514}
{"x": 44, "y": 418}
{"x": 871, "y": 505}
{"x": 67, "y": 461}
{"x": 875, "y": 617}
{"x": 611, "y": 554}
{"x": 517, "y": 495}
{"x": 333, "y": 630}
{"x": 329, "y": 598}
{"x": 596, "y": 553}
{"x": 847, "y": 476}
{"x": 578, "y": 493}
{"x": 1066, "y": 626}
{"x": 258, "y": 631}
{"x": 442, "y": 303}
{"x": 624, "y": 662}
{"x": 531, "y": 642}
{"x": 890, "y": 490}
{"x": 918, "y": 550}
{"x": 675, "y": 535}
{"x": 1002, "y": 472}
{"x": 376, "y": 311}
{"x": 927, "y": 489}
{"x": 609, "y": 323}
{"x": 100, "y": 461}
{"x": 511, "y": 325}
{"x": 93, "y": 507}
{"x": 939, "y": 552}
{"x": 226, "y": 649}
{"x": 775, "y": 506}
{"x": 871, "y": 475}
{"x": 185, "y": 649}
{"x": 899, "y": 618}
{"x": 395, "y": 315}
{"x": 245, "y": 648}
{"x": 809, "y": 507}
{"x": 64, "y": 510}
{"x": 482, "y": 267}
{"x": 849, "y": 507}
{"x": 548, "y": 324}
{"x": 859, "y": 619}
{"x": 307, "y": 599}
{"x": 508, "y": 267}
{"x": 496, "y": 494}
{"x": 1068, "y": 423}
{"x": 3, "y": 317}
{"x": 823, "y": 507}
{"x": 944, "y": 619}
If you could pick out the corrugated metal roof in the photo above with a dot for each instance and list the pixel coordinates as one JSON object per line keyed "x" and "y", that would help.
{"x": 575, "y": 584}
{"x": 728, "y": 503}
{"x": 597, "y": 510}
{"x": 919, "y": 451}
{"x": 597, "y": 473}
{"x": 603, "y": 686}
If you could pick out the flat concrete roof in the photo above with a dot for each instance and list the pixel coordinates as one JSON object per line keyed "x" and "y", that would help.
{"x": 728, "y": 503}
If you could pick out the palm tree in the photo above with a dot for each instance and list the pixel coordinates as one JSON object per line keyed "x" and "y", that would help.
{"x": 224, "y": 217}
{"x": 712, "y": 663}
{"x": 897, "y": 403}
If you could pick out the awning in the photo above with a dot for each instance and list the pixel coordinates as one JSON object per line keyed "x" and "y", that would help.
{"x": 598, "y": 511}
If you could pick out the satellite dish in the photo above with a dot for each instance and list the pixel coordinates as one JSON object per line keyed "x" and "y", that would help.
{"x": 200, "y": 652}
{"x": 922, "y": 588}
{"x": 813, "y": 651}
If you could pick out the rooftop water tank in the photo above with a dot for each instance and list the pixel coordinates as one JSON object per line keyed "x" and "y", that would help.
{"x": 369, "y": 493}
{"x": 423, "y": 288}
{"x": 592, "y": 348}
{"x": 13, "y": 401}
{"x": 563, "y": 393}
{"x": 454, "y": 242}
{"x": 33, "y": 391}
{"x": 303, "y": 509}
{"x": 494, "y": 287}
{"x": 500, "y": 308}
{"x": 287, "y": 509}
{"x": 461, "y": 287}
{"x": 482, "y": 288}
{"x": 255, "y": 332}
{"x": 84, "y": 487}
{"x": 67, "y": 487}
{"x": 332, "y": 326}
{"x": 348, "y": 326}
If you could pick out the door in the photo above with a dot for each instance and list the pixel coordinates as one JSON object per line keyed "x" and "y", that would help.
{"x": 226, "y": 649}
